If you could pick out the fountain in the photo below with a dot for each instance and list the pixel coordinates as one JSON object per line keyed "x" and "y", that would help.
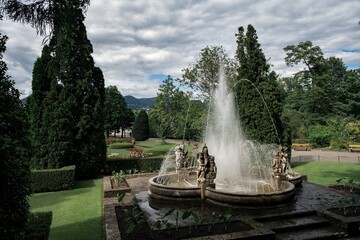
{"x": 244, "y": 173}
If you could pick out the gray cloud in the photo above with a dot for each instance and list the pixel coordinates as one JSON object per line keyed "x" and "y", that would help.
{"x": 133, "y": 40}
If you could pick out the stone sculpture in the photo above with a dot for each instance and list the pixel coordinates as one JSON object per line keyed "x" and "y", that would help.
{"x": 206, "y": 167}
{"x": 280, "y": 161}
{"x": 181, "y": 157}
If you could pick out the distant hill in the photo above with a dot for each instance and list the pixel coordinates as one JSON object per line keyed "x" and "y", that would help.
{"x": 139, "y": 103}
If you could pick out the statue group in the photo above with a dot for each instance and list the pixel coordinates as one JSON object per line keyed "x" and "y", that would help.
{"x": 280, "y": 161}
{"x": 181, "y": 157}
{"x": 206, "y": 166}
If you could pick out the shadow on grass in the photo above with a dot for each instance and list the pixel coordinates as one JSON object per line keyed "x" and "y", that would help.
{"x": 347, "y": 174}
{"x": 49, "y": 199}
{"x": 90, "y": 229}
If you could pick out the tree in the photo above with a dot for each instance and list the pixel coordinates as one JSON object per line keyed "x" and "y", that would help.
{"x": 140, "y": 128}
{"x": 41, "y": 85}
{"x": 259, "y": 95}
{"x": 169, "y": 112}
{"x": 304, "y": 52}
{"x": 203, "y": 76}
{"x": 320, "y": 89}
{"x": 117, "y": 114}
{"x": 39, "y": 14}
{"x": 72, "y": 123}
{"x": 14, "y": 170}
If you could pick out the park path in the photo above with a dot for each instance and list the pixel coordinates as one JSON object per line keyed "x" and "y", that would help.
{"x": 305, "y": 156}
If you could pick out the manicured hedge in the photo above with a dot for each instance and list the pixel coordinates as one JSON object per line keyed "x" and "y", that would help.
{"x": 147, "y": 164}
{"x": 121, "y": 145}
{"x": 52, "y": 179}
{"x": 38, "y": 226}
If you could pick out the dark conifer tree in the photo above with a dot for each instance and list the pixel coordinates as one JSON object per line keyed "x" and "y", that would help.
{"x": 140, "y": 128}
{"x": 41, "y": 84}
{"x": 259, "y": 96}
{"x": 14, "y": 170}
{"x": 72, "y": 124}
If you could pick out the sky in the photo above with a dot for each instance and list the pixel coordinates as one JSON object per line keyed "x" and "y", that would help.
{"x": 138, "y": 43}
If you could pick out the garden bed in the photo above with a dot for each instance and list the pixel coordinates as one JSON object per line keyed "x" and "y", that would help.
{"x": 133, "y": 225}
{"x": 347, "y": 218}
{"x": 112, "y": 190}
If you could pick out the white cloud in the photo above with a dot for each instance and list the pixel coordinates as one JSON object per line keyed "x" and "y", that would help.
{"x": 134, "y": 39}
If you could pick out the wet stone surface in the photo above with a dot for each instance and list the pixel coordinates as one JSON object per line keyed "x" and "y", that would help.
{"x": 284, "y": 222}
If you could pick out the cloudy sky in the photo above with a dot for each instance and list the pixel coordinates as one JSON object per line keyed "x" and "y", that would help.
{"x": 139, "y": 42}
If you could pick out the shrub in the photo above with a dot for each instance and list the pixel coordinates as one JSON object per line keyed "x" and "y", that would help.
{"x": 52, "y": 179}
{"x": 319, "y": 136}
{"x": 121, "y": 145}
{"x": 38, "y": 226}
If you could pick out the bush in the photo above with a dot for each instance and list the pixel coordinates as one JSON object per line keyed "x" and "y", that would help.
{"x": 120, "y": 145}
{"x": 38, "y": 226}
{"x": 319, "y": 136}
{"x": 52, "y": 179}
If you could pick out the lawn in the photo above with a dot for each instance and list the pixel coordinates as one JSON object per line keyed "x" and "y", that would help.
{"x": 325, "y": 173}
{"x": 77, "y": 213}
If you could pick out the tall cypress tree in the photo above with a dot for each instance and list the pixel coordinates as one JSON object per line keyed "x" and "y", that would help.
{"x": 72, "y": 122}
{"x": 259, "y": 96}
{"x": 82, "y": 96}
{"x": 41, "y": 84}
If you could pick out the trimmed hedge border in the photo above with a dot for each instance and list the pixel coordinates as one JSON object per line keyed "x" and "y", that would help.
{"x": 47, "y": 180}
{"x": 121, "y": 145}
{"x": 141, "y": 164}
{"x": 38, "y": 226}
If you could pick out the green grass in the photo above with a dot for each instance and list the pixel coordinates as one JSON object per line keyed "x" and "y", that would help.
{"x": 325, "y": 173}
{"x": 77, "y": 213}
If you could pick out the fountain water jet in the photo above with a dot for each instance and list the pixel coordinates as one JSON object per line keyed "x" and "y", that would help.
{"x": 244, "y": 169}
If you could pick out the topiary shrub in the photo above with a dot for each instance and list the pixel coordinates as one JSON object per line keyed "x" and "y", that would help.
{"x": 140, "y": 128}
{"x": 38, "y": 226}
{"x": 46, "y": 180}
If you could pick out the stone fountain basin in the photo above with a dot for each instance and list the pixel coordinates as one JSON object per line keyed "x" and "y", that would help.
{"x": 181, "y": 191}
{"x": 236, "y": 199}
{"x": 184, "y": 192}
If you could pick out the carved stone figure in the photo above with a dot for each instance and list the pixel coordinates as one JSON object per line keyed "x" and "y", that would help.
{"x": 280, "y": 161}
{"x": 181, "y": 157}
{"x": 206, "y": 166}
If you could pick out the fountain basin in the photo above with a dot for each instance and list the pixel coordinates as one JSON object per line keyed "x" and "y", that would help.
{"x": 173, "y": 189}
{"x": 295, "y": 178}
{"x": 180, "y": 191}
{"x": 237, "y": 199}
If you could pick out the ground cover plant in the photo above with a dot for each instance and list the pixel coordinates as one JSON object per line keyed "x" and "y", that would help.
{"x": 77, "y": 213}
{"x": 326, "y": 173}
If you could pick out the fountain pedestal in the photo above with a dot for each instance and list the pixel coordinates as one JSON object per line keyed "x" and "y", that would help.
{"x": 203, "y": 186}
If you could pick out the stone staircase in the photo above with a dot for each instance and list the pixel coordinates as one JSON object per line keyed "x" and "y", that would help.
{"x": 300, "y": 225}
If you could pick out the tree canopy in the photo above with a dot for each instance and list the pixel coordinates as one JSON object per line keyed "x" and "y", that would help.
{"x": 203, "y": 76}
{"x": 14, "y": 155}
{"x": 259, "y": 96}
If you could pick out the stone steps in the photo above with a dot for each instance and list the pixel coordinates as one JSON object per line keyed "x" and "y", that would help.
{"x": 299, "y": 225}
